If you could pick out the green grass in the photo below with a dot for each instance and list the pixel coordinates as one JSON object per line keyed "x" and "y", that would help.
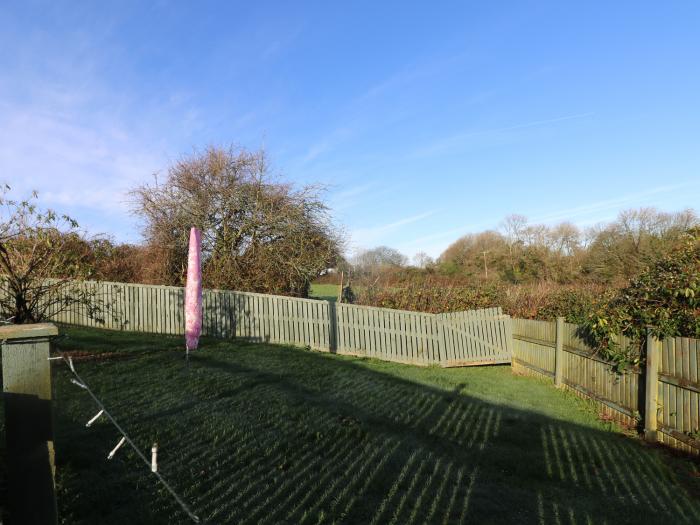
{"x": 327, "y": 292}
{"x": 256, "y": 433}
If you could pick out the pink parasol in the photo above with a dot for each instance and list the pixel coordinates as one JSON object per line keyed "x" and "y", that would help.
{"x": 193, "y": 291}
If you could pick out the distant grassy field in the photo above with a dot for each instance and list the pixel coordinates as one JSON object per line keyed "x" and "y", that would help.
{"x": 327, "y": 292}
{"x": 256, "y": 433}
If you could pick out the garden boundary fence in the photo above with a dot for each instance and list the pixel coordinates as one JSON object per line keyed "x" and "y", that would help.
{"x": 459, "y": 339}
{"x": 663, "y": 396}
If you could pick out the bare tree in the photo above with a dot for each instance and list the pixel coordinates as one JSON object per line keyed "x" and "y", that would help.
{"x": 41, "y": 254}
{"x": 564, "y": 239}
{"x": 422, "y": 260}
{"x": 258, "y": 233}
{"x": 514, "y": 228}
{"x": 370, "y": 262}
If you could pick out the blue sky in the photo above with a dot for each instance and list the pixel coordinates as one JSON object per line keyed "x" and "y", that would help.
{"x": 426, "y": 120}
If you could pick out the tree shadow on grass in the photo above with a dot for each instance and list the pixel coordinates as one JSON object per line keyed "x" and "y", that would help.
{"x": 264, "y": 434}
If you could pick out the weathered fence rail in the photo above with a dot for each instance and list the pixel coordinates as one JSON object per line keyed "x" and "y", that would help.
{"x": 458, "y": 339}
{"x": 668, "y": 406}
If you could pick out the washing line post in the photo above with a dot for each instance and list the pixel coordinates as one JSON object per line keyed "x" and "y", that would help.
{"x": 26, "y": 376}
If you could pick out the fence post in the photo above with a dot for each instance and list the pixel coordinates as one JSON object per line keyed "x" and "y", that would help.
{"x": 559, "y": 354}
{"x": 652, "y": 388}
{"x": 26, "y": 375}
{"x": 332, "y": 327}
{"x": 510, "y": 341}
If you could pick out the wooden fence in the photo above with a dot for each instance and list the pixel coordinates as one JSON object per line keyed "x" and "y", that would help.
{"x": 473, "y": 337}
{"x": 463, "y": 338}
{"x": 663, "y": 397}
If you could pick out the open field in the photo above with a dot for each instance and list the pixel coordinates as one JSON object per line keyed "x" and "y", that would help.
{"x": 261, "y": 433}
{"x": 327, "y": 292}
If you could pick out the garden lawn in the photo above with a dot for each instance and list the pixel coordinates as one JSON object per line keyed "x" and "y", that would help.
{"x": 257, "y": 433}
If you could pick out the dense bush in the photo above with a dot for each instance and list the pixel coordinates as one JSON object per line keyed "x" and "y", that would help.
{"x": 424, "y": 296}
{"x": 663, "y": 300}
{"x": 571, "y": 302}
{"x": 438, "y": 293}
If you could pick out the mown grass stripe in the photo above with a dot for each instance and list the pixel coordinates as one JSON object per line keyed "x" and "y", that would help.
{"x": 394, "y": 487}
{"x": 367, "y": 480}
{"x": 273, "y": 502}
{"x": 366, "y": 455}
{"x": 409, "y": 490}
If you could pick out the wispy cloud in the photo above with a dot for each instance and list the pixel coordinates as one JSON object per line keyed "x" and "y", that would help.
{"x": 451, "y": 233}
{"x": 76, "y": 164}
{"x": 345, "y": 199}
{"x": 458, "y": 140}
{"x": 328, "y": 142}
{"x": 77, "y": 141}
{"x": 425, "y": 68}
{"x": 598, "y": 211}
{"x": 360, "y": 110}
{"x": 366, "y": 237}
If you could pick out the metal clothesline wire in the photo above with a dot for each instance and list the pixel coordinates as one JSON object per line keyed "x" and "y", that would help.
{"x": 82, "y": 384}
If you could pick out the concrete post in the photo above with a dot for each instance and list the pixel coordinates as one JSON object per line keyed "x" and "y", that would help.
{"x": 26, "y": 376}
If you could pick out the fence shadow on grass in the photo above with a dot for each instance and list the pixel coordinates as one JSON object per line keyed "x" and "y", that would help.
{"x": 264, "y": 434}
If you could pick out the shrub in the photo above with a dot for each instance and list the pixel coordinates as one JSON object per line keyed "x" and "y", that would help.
{"x": 664, "y": 300}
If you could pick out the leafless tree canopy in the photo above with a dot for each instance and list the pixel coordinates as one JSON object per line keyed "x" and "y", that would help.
{"x": 422, "y": 260}
{"x": 41, "y": 253}
{"x": 258, "y": 234}
{"x": 371, "y": 262}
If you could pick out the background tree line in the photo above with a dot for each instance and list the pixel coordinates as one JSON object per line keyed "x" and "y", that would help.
{"x": 524, "y": 253}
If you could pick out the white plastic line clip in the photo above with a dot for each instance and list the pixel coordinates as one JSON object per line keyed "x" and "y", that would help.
{"x": 114, "y": 450}
{"x": 76, "y": 382}
{"x": 89, "y": 423}
{"x": 154, "y": 457}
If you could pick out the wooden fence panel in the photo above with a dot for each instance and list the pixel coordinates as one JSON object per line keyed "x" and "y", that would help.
{"x": 679, "y": 393}
{"x": 476, "y": 337}
{"x": 402, "y": 336}
{"x": 533, "y": 347}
